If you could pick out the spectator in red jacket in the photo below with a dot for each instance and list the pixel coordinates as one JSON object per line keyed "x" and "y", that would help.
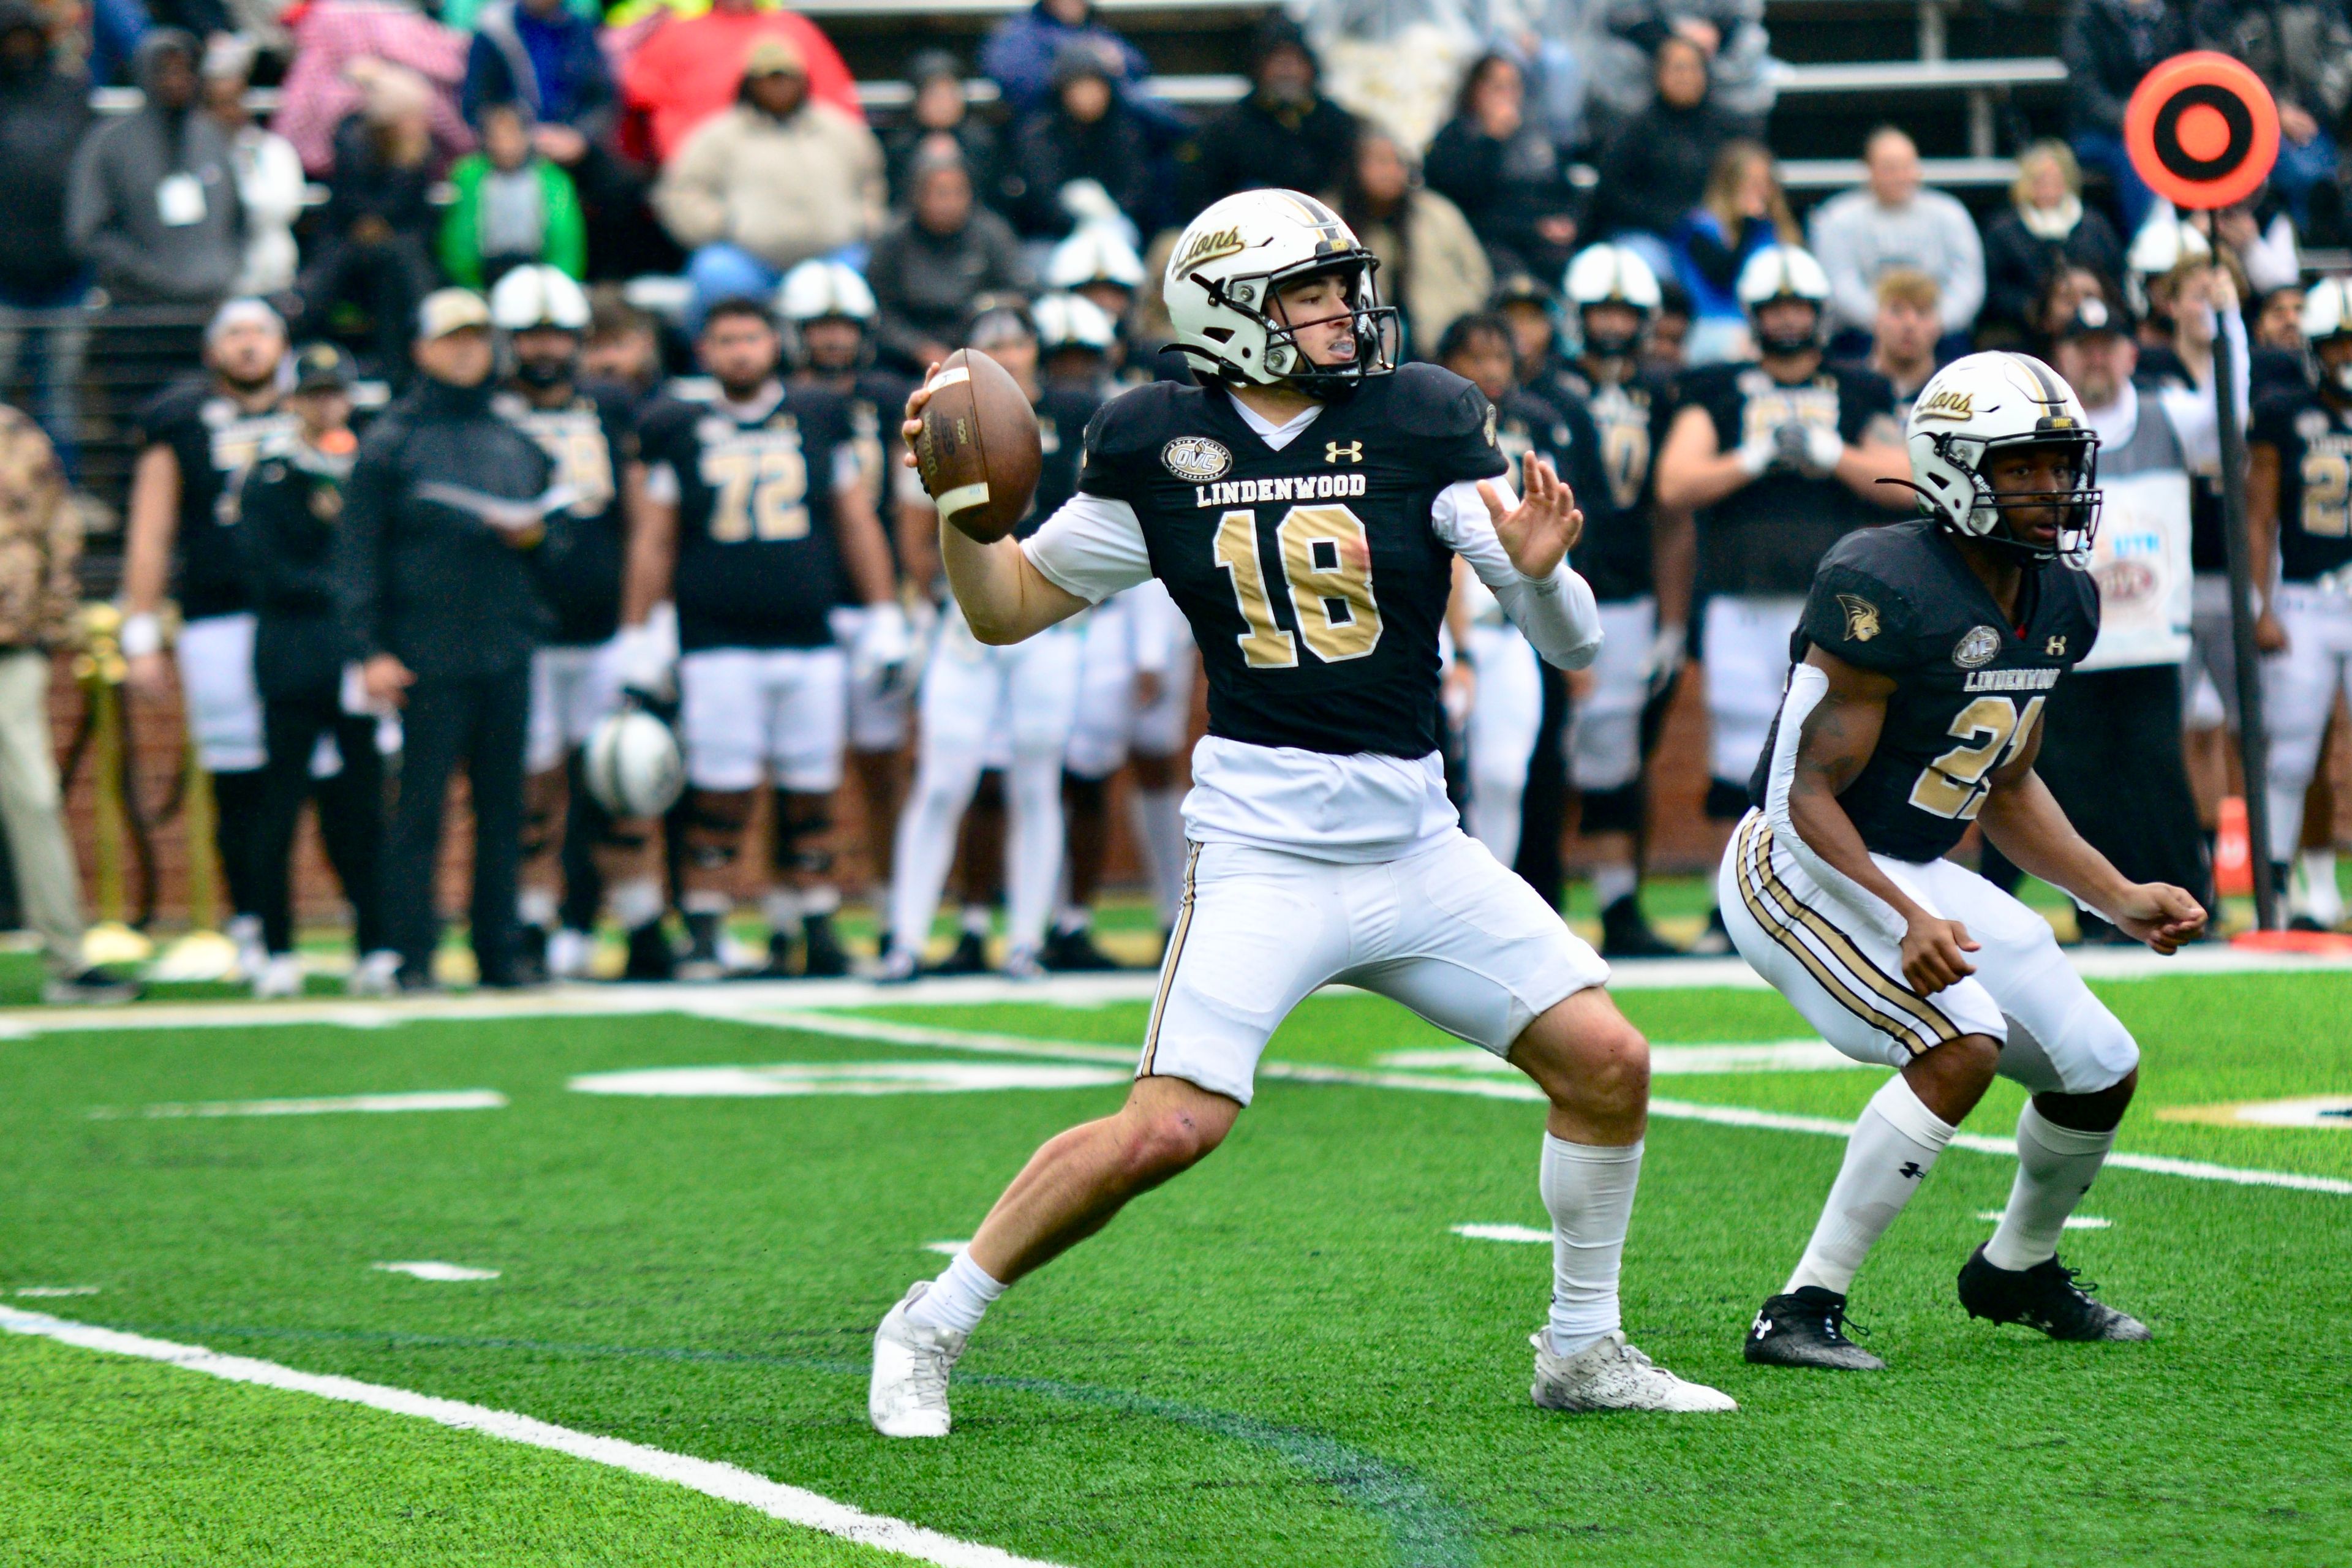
{"x": 690, "y": 69}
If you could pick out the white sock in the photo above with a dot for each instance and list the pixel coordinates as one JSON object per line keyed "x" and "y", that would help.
{"x": 976, "y": 919}
{"x": 927, "y": 844}
{"x": 2321, "y": 900}
{"x": 956, "y": 1297}
{"x": 824, "y": 899}
{"x": 1160, "y": 832}
{"x": 1033, "y": 845}
{"x": 2055, "y": 1166}
{"x": 1892, "y": 1148}
{"x": 637, "y": 902}
{"x": 1610, "y": 883}
{"x": 1588, "y": 1189}
{"x": 707, "y": 902}
{"x": 1071, "y": 919}
{"x": 536, "y": 907}
{"x": 783, "y": 907}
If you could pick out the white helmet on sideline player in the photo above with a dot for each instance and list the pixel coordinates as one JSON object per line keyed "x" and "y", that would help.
{"x": 1612, "y": 275}
{"x": 538, "y": 296}
{"x": 2328, "y": 313}
{"x": 1096, "y": 253}
{"x": 1783, "y": 272}
{"x": 1980, "y": 403}
{"x": 633, "y": 765}
{"x": 1229, "y": 264}
{"x": 1072, "y": 321}
{"x": 817, "y": 289}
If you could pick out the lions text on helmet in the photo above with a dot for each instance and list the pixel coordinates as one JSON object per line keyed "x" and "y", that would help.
{"x": 1271, "y": 289}
{"x": 2002, "y": 452}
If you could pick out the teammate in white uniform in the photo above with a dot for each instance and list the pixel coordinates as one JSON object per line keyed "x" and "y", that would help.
{"x": 1324, "y": 848}
{"x": 984, "y": 706}
{"x": 1927, "y": 649}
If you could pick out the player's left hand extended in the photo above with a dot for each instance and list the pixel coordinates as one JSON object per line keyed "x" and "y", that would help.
{"x": 1539, "y": 532}
{"x": 2158, "y": 914}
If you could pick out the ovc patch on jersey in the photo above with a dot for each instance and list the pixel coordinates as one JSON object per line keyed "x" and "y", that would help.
{"x": 1981, "y": 646}
{"x": 1197, "y": 459}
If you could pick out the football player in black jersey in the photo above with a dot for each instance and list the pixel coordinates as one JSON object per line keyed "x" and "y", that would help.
{"x": 1776, "y": 460}
{"x": 1645, "y": 600}
{"x": 588, "y": 430}
{"x": 756, "y": 510}
{"x": 195, "y": 441}
{"x": 1008, "y": 708}
{"x": 1925, "y": 655}
{"x": 2299, "y": 504}
{"x": 829, "y": 316}
{"x": 1304, "y": 507}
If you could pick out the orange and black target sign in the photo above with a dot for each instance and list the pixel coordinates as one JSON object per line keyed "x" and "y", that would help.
{"x": 2202, "y": 130}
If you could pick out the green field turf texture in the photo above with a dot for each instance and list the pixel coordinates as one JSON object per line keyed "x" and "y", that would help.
{"x": 1284, "y": 1358}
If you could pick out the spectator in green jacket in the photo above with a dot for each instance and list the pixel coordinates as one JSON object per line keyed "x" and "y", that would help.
{"x": 514, "y": 206}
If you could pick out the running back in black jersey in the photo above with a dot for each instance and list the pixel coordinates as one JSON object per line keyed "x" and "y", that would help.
{"x": 2314, "y": 443}
{"x": 1063, "y": 412}
{"x": 216, "y": 441}
{"x": 1312, "y": 577}
{"x": 1969, "y": 685}
{"x": 591, "y": 439}
{"x": 1630, "y": 419}
{"x": 758, "y": 562}
{"x": 1767, "y": 537}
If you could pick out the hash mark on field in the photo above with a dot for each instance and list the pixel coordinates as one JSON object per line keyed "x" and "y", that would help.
{"x": 431, "y": 1099}
{"x": 54, "y": 1290}
{"x": 427, "y": 1270}
{"x": 1500, "y": 1232}
{"x": 2073, "y": 1221}
{"x": 843, "y": 1077}
{"x": 945, "y": 1248}
{"x": 1665, "y": 1061}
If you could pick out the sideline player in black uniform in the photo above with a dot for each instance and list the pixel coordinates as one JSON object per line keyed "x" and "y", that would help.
{"x": 195, "y": 440}
{"x": 1927, "y": 651}
{"x": 1305, "y": 508}
{"x": 588, "y": 430}
{"x": 756, "y": 512}
{"x": 1645, "y": 599}
{"x": 2299, "y": 505}
{"x": 1777, "y": 460}
{"x": 828, "y": 314}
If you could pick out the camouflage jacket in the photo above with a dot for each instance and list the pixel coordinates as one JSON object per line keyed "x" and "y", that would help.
{"x": 40, "y": 538}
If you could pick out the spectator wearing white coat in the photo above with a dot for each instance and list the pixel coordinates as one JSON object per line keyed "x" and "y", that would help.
{"x": 1892, "y": 221}
{"x": 269, "y": 171}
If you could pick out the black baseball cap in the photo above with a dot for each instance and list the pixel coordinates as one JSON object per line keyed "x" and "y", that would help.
{"x": 323, "y": 367}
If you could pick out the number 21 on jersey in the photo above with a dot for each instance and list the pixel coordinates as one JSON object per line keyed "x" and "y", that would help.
{"x": 1991, "y": 730}
{"x": 1326, "y": 566}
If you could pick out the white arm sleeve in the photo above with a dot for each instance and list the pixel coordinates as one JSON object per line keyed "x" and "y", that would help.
{"x": 1557, "y": 613}
{"x": 1092, "y": 547}
{"x": 2196, "y": 420}
{"x": 1807, "y": 686}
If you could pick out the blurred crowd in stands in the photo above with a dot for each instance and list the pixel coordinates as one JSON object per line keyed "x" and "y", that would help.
{"x": 326, "y": 185}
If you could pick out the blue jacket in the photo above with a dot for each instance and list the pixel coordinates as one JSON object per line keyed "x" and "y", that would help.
{"x": 499, "y": 69}
{"x": 1019, "y": 57}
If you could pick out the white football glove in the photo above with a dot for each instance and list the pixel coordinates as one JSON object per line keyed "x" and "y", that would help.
{"x": 643, "y": 659}
{"x": 1664, "y": 657}
{"x": 1756, "y": 454}
{"x": 1823, "y": 450}
{"x": 884, "y": 647}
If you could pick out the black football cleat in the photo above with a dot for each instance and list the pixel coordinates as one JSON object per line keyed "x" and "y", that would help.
{"x": 822, "y": 956}
{"x": 1807, "y": 1328}
{"x": 1075, "y": 953}
{"x": 650, "y": 955}
{"x": 1625, "y": 934}
{"x": 2043, "y": 1297}
{"x": 970, "y": 957}
{"x": 701, "y": 961}
{"x": 779, "y": 958}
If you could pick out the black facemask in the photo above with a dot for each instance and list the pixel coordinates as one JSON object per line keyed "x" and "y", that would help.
{"x": 544, "y": 373}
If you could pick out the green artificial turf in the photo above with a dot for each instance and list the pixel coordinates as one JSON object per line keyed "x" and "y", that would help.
{"x": 1285, "y": 1358}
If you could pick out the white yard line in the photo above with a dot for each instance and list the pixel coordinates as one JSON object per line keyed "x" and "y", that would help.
{"x": 1501, "y": 1233}
{"x": 444, "y": 1273}
{"x": 726, "y": 1482}
{"x": 372, "y": 1104}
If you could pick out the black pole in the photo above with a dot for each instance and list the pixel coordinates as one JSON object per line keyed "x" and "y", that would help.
{"x": 2254, "y": 742}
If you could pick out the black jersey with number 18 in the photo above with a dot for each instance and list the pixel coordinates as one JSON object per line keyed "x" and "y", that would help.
{"x": 1312, "y": 577}
{"x": 1969, "y": 683}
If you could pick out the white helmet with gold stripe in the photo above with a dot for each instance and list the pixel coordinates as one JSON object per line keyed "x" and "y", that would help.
{"x": 1229, "y": 264}
{"x": 1980, "y": 403}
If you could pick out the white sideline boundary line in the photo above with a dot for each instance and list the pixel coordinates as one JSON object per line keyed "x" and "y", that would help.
{"x": 792, "y": 1505}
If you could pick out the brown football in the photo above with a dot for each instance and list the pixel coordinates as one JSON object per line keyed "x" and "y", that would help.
{"x": 978, "y": 452}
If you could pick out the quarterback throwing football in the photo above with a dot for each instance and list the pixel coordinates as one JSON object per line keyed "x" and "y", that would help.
{"x": 1927, "y": 651}
{"x": 1304, "y": 507}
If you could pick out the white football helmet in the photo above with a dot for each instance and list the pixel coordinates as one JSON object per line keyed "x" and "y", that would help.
{"x": 1072, "y": 321}
{"x": 1783, "y": 272}
{"x": 1610, "y": 275}
{"x": 817, "y": 289}
{"x": 1227, "y": 267}
{"x": 633, "y": 765}
{"x": 538, "y": 296}
{"x": 1985, "y": 401}
{"x": 1096, "y": 253}
{"x": 2328, "y": 313}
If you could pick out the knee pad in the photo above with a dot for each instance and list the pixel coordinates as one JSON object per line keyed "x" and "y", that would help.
{"x": 1619, "y": 810}
{"x": 1725, "y": 800}
{"x": 796, "y": 841}
{"x": 714, "y": 827}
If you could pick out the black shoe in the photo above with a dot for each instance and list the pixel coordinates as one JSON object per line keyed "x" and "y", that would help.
{"x": 1715, "y": 941}
{"x": 93, "y": 986}
{"x": 822, "y": 958}
{"x": 650, "y": 957}
{"x": 1075, "y": 953}
{"x": 970, "y": 957}
{"x": 416, "y": 980}
{"x": 1807, "y": 1328}
{"x": 1626, "y": 934}
{"x": 702, "y": 961}
{"x": 2043, "y": 1297}
{"x": 523, "y": 974}
{"x": 2305, "y": 922}
{"x": 530, "y": 945}
{"x": 779, "y": 958}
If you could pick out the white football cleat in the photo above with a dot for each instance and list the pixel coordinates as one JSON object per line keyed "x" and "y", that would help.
{"x": 908, "y": 1394}
{"x": 571, "y": 954}
{"x": 376, "y": 974}
{"x": 1613, "y": 1375}
{"x": 280, "y": 976}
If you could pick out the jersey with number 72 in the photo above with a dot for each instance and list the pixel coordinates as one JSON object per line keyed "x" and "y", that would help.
{"x": 1969, "y": 683}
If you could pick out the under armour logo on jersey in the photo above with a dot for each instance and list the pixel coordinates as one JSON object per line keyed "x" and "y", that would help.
{"x": 1335, "y": 452}
{"x": 2055, "y": 648}
{"x": 1912, "y": 1170}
